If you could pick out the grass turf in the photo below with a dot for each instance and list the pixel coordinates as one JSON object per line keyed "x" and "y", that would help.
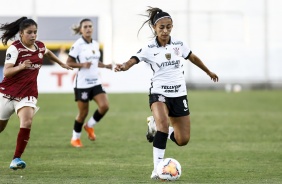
{"x": 235, "y": 138}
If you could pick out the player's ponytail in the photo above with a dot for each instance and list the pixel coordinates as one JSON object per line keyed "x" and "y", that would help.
{"x": 154, "y": 15}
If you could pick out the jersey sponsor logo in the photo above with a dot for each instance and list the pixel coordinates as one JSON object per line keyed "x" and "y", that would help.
{"x": 171, "y": 89}
{"x": 26, "y": 55}
{"x": 156, "y": 54}
{"x": 152, "y": 46}
{"x": 177, "y": 43}
{"x": 8, "y": 56}
{"x": 34, "y": 66}
{"x": 169, "y": 63}
{"x": 168, "y": 56}
{"x": 91, "y": 58}
{"x": 22, "y": 50}
{"x": 42, "y": 49}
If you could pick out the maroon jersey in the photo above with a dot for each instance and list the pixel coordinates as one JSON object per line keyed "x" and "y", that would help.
{"x": 24, "y": 83}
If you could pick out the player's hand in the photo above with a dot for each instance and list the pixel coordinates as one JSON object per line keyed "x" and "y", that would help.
{"x": 66, "y": 66}
{"x": 213, "y": 76}
{"x": 109, "y": 66}
{"x": 120, "y": 67}
{"x": 25, "y": 64}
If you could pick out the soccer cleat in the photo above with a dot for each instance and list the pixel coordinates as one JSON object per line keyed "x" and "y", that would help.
{"x": 90, "y": 132}
{"x": 17, "y": 163}
{"x": 152, "y": 129}
{"x": 154, "y": 175}
{"x": 76, "y": 143}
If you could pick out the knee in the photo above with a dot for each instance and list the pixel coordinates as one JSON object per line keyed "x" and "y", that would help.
{"x": 103, "y": 109}
{"x": 82, "y": 115}
{"x": 26, "y": 123}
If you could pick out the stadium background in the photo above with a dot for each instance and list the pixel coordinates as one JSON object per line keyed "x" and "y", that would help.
{"x": 239, "y": 40}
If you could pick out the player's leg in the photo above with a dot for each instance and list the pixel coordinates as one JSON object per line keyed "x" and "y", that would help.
{"x": 160, "y": 113}
{"x": 3, "y": 124}
{"x": 181, "y": 130}
{"x": 6, "y": 111}
{"x": 83, "y": 108}
{"x": 101, "y": 99}
{"x": 25, "y": 115}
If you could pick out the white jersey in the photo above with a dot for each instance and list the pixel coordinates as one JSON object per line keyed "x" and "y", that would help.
{"x": 166, "y": 63}
{"x": 82, "y": 52}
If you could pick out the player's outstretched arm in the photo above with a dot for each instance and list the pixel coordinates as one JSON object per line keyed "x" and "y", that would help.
{"x": 125, "y": 66}
{"x": 54, "y": 58}
{"x": 197, "y": 61}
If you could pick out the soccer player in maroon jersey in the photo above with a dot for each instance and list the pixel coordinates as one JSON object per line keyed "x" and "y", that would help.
{"x": 18, "y": 90}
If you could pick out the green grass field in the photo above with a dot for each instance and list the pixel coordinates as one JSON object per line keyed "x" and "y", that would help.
{"x": 235, "y": 138}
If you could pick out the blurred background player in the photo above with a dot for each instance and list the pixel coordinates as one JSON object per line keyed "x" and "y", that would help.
{"x": 85, "y": 55}
{"x": 168, "y": 93}
{"x": 18, "y": 90}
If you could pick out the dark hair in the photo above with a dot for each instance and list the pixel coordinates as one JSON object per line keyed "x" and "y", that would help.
{"x": 77, "y": 28}
{"x": 154, "y": 14}
{"x": 11, "y": 29}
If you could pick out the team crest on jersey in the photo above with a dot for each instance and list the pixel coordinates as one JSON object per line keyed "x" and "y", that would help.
{"x": 176, "y": 51}
{"x": 161, "y": 98}
{"x": 93, "y": 51}
{"x": 168, "y": 56}
{"x": 40, "y": 55}
{"x": 84, "y": 95}
{"x": 8, "y": 56}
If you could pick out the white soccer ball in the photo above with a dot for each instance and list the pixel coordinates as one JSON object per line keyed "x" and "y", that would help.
{"x": 169, "y": 169}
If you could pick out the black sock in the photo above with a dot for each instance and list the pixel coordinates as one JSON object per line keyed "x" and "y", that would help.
{"x": 173, "y": 138}
{"x": 160, "y": 140}
{"x": 77, "y": 126}
{"x": 97, "y": 116}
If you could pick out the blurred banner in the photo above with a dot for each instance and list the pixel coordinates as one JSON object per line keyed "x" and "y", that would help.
{"x": 54, "y": 79}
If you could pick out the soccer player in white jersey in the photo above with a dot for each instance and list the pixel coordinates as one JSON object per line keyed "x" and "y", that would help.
{"x": 168, "y": 95}
{"x": 85, "y": 55}
{"x": 18, "y": 90}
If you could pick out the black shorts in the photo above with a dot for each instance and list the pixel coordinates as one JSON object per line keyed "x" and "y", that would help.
{"x": 87, "y": 94}
{"x": 177, "y": 106}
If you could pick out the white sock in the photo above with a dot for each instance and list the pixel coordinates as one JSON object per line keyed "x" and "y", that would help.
{"x": 158, "y": 155}
{"x": 75, "y": 135}
{"x": 170, "y": 131}
{"x": 91, "y": 122}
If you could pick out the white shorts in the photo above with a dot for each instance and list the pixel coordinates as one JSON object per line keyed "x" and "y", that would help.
{"x": 8, "y": 106}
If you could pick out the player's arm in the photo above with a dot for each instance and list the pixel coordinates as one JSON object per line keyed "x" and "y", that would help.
{"x": 197, "y": 61}
{"x": 10, "y": 70}
{"x": 54, "y": 58}
{"x": 71, "y": 62}
{"x": 102, "y": 65}
{"x": 125, "y": 66}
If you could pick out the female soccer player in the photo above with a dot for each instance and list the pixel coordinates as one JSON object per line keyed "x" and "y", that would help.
{"x": 85, "y": 55}
{"x": 168, "y": 95}
{"x": 18, "y": 90}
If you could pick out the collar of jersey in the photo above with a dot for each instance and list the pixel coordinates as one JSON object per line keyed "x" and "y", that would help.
{"x": 86, "y": 40}
{"x": 159, "y": 44}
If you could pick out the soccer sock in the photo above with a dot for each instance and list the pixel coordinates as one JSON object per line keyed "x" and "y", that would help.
{"x": 159, "y": 146}
{"x": 76, "y": 133}
{"x": 22, "y": 140}
{"x": 97, "y": 116}
{"x": 170, "y": 131}
{"x": 173, "y": 138}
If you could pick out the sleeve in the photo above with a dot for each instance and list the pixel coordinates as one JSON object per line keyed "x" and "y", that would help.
{"x": 74, "y": 51}
{"x": 141, "y": 54}
{"x": 11, "y": 55}
{"x": 186, "y": 51}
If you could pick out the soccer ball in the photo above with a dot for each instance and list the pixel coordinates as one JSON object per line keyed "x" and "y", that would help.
{"x": 169, "y": 169}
